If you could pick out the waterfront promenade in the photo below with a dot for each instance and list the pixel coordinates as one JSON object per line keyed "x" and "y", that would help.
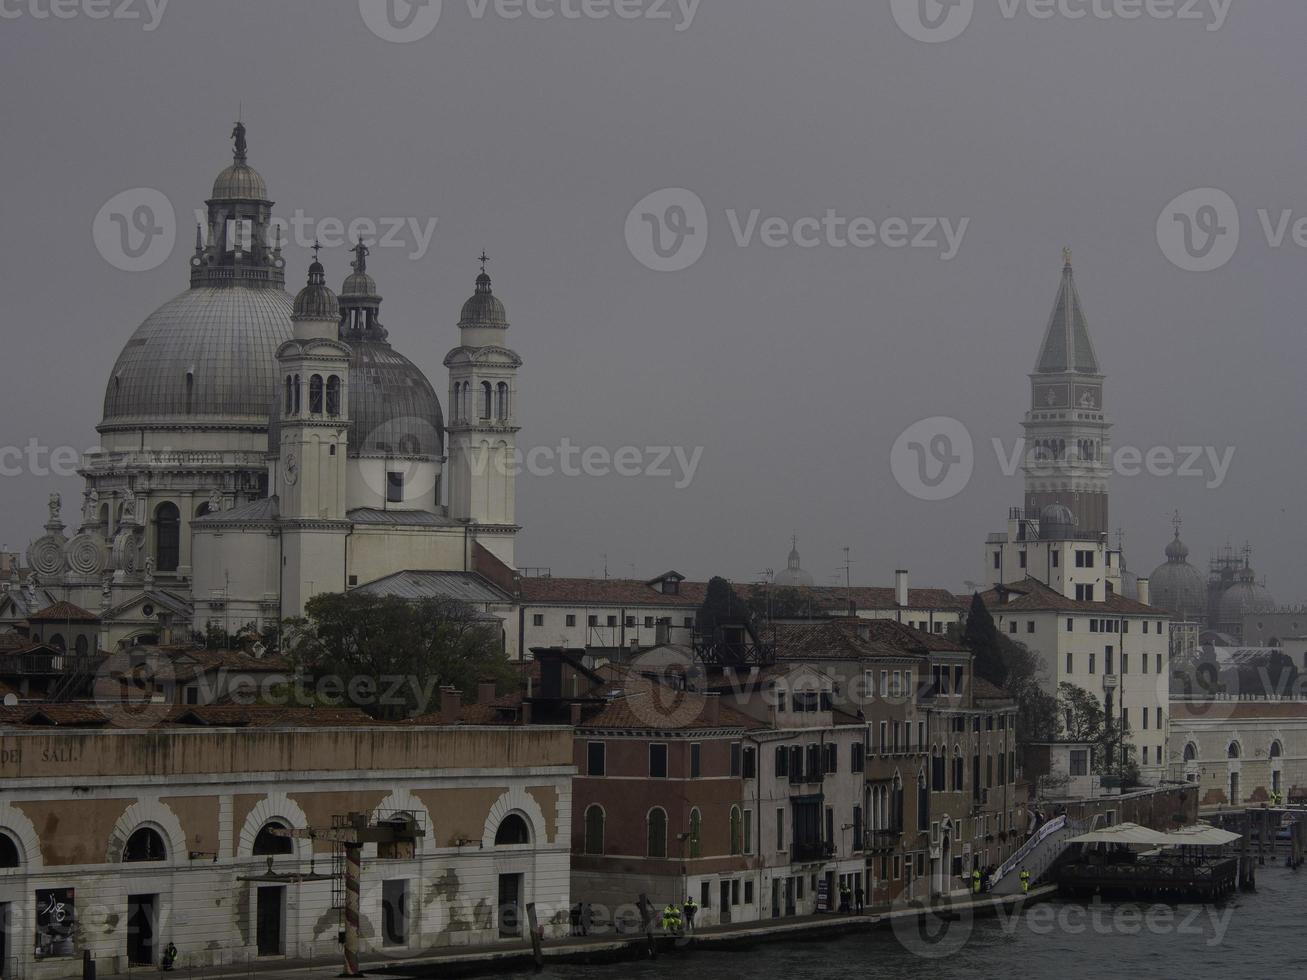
{"x": 466, "y": 961}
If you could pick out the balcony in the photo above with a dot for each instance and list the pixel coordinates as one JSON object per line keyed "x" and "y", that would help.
{"x": 805, "y": 851}
{"x": 882, "y": 840}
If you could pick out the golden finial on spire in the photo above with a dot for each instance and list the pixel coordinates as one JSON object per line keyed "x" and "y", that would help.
{"x": 1066, "y": 257}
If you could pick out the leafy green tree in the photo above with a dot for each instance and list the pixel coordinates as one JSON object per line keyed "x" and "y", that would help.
{"x": 390, "y": 656}
{"x": 780, "y": 602}
{"x": 1082, "y": 719}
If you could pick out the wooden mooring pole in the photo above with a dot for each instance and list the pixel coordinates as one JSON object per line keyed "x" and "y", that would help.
{"x": 537, "y": 953}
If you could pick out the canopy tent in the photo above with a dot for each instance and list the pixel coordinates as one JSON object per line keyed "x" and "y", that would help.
{"x": 1129, "y": 834}
{"x": 1201, "y": 835}
{"x": 1124, "y": 833}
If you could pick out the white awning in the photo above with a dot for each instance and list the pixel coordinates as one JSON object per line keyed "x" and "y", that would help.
{"x": 1124, "y": 833}
{"x": 1132, "y": 834}
{"x": 1201, "y": 835}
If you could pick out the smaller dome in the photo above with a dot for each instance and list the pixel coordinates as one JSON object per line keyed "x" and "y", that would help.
{"x": 1056, "y": 522}
{"x": 239, "y": 182}
{"x": 1177, "y": 551}
{"x": 484, "y": 309}
{"x": 316, "y": 301}
{"x": 1244, "y": 597}
{"x": 359, "y": 285}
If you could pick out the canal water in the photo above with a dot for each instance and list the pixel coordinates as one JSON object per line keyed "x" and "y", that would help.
{"x": 1253, "y": 935}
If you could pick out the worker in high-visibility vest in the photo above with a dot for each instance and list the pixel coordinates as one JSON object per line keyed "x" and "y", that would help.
{"x": 975, "y": 881}
{"x": 1025, "y": 882}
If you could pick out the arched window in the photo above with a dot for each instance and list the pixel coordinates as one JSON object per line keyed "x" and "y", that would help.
{"x": 594, "y": 829}
{"x": 167, "y": 537}
{"x": 696, "y": 825}
{"x": 502, "y": 394}
{"x": 9, "y": 856}
{"x": 315, "y": 395}
{"x": 268, "y": 843}
{"x": 82, "y": 646}
{"x": 512, "y": 830}
{"x": 737, "y": 831}
{"x": 1233, "y": 751}
{"x": 657, "y": 827}
{"x": 487, "y": 399}
{"x": 1190, "y": 752}
{"x": 333, "y": 395}
{"x": 145, "y": 844}
{"x": 923, "y": 802}
{"x": 1276, "y": 749}
{"x": 289, "y": 404}
{"x": 57, "y": 641}
{"x": 295, "y": 403}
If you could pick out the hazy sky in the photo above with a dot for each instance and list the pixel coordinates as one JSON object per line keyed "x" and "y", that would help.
{"x": 794, "y": 368}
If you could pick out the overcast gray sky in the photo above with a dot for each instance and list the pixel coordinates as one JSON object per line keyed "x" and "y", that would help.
{"x": 795, "y": 368}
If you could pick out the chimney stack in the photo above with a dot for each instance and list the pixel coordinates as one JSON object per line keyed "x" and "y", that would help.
{"x": 451, "y": 706}
{"x": 712, "y": 708}
{"x": 576, "y": 713}
{"x": 1143, "y": 591}
{"x": 901, "y": 588}
{"x": 485, "y": 692}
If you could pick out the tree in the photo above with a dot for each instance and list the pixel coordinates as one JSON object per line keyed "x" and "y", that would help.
{"x": 780, "y": 602}
{"x": 982, "y": 638}
{"x": 1082, "y": 719}
{"x": 389, "y": 656}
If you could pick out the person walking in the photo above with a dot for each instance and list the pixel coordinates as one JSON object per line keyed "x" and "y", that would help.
{"x": 858, "y": 897}
{"x": 975, "y": 881}
{"x": 846, "y": 897}
{"x": 169, "y": 956}
{"x": 1025, "y": 882}
{"x": 690, "y": 908}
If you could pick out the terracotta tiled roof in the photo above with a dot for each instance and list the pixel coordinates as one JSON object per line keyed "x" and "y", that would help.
{"x": 12, "y": 641}
{"x": 63, "y": 612}
{"x": 1034, "y": 596}
{"x": 608, "y": 592}
{"x": 72, "y": 715}
{"x": 828, "y": 640}
{"x": 638, "y": 712}
{"x": 895, "y": 634}
{"x": 877, "y": 597}
{"x": 984, "y": 690}
{"x": 265, "y": 716}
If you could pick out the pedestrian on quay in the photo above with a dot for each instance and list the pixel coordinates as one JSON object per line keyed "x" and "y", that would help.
{"x": 857, "y": 898}
{"x": 169, "y": 956}
{"x": 672, "y": 919}
{"x": 1025, "y": 882}
{"x": 576, "y": 919}
{"x": 690, "y": 908}
{"x": 975, "y": 881}
{"x": 587, "y": 918}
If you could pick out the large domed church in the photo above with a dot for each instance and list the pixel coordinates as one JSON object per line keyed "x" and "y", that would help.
{"x": 258, "y": 449}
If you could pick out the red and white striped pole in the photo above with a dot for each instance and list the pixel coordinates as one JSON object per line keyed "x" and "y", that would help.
{"x": 353, "y": 876}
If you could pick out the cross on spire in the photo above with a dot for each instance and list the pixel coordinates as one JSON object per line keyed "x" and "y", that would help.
{"x": 483, "y": 258}
{"x": 317, "y": 246}
{"x": 1176, "y": 522}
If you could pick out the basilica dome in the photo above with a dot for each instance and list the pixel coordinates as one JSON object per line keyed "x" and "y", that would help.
{"x": 208, "y": 356}
{"x": 1177, "y": 586}
{"x": 209, "y": 353}
{"x": 484, "y": 308}
{"x": 1245, "y": 596}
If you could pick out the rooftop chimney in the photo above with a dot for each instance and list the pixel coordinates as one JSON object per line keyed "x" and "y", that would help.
{"x": 901, "y": 587}
{"x": 712, "y": 704}
{"x": 1143, "y": 591}
{"x": 451, "y": 705}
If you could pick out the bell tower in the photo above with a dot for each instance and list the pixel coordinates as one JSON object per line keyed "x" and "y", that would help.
{"x": 309, "y": 480}
{"x": 482, "y": 425}
{"x": 1068, "y": 448}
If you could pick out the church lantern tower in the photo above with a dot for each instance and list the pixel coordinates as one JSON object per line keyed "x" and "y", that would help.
{"x": 1067, "y": 434}
{"x": 310, "y": 477}
{"x": 482, "y": 425}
